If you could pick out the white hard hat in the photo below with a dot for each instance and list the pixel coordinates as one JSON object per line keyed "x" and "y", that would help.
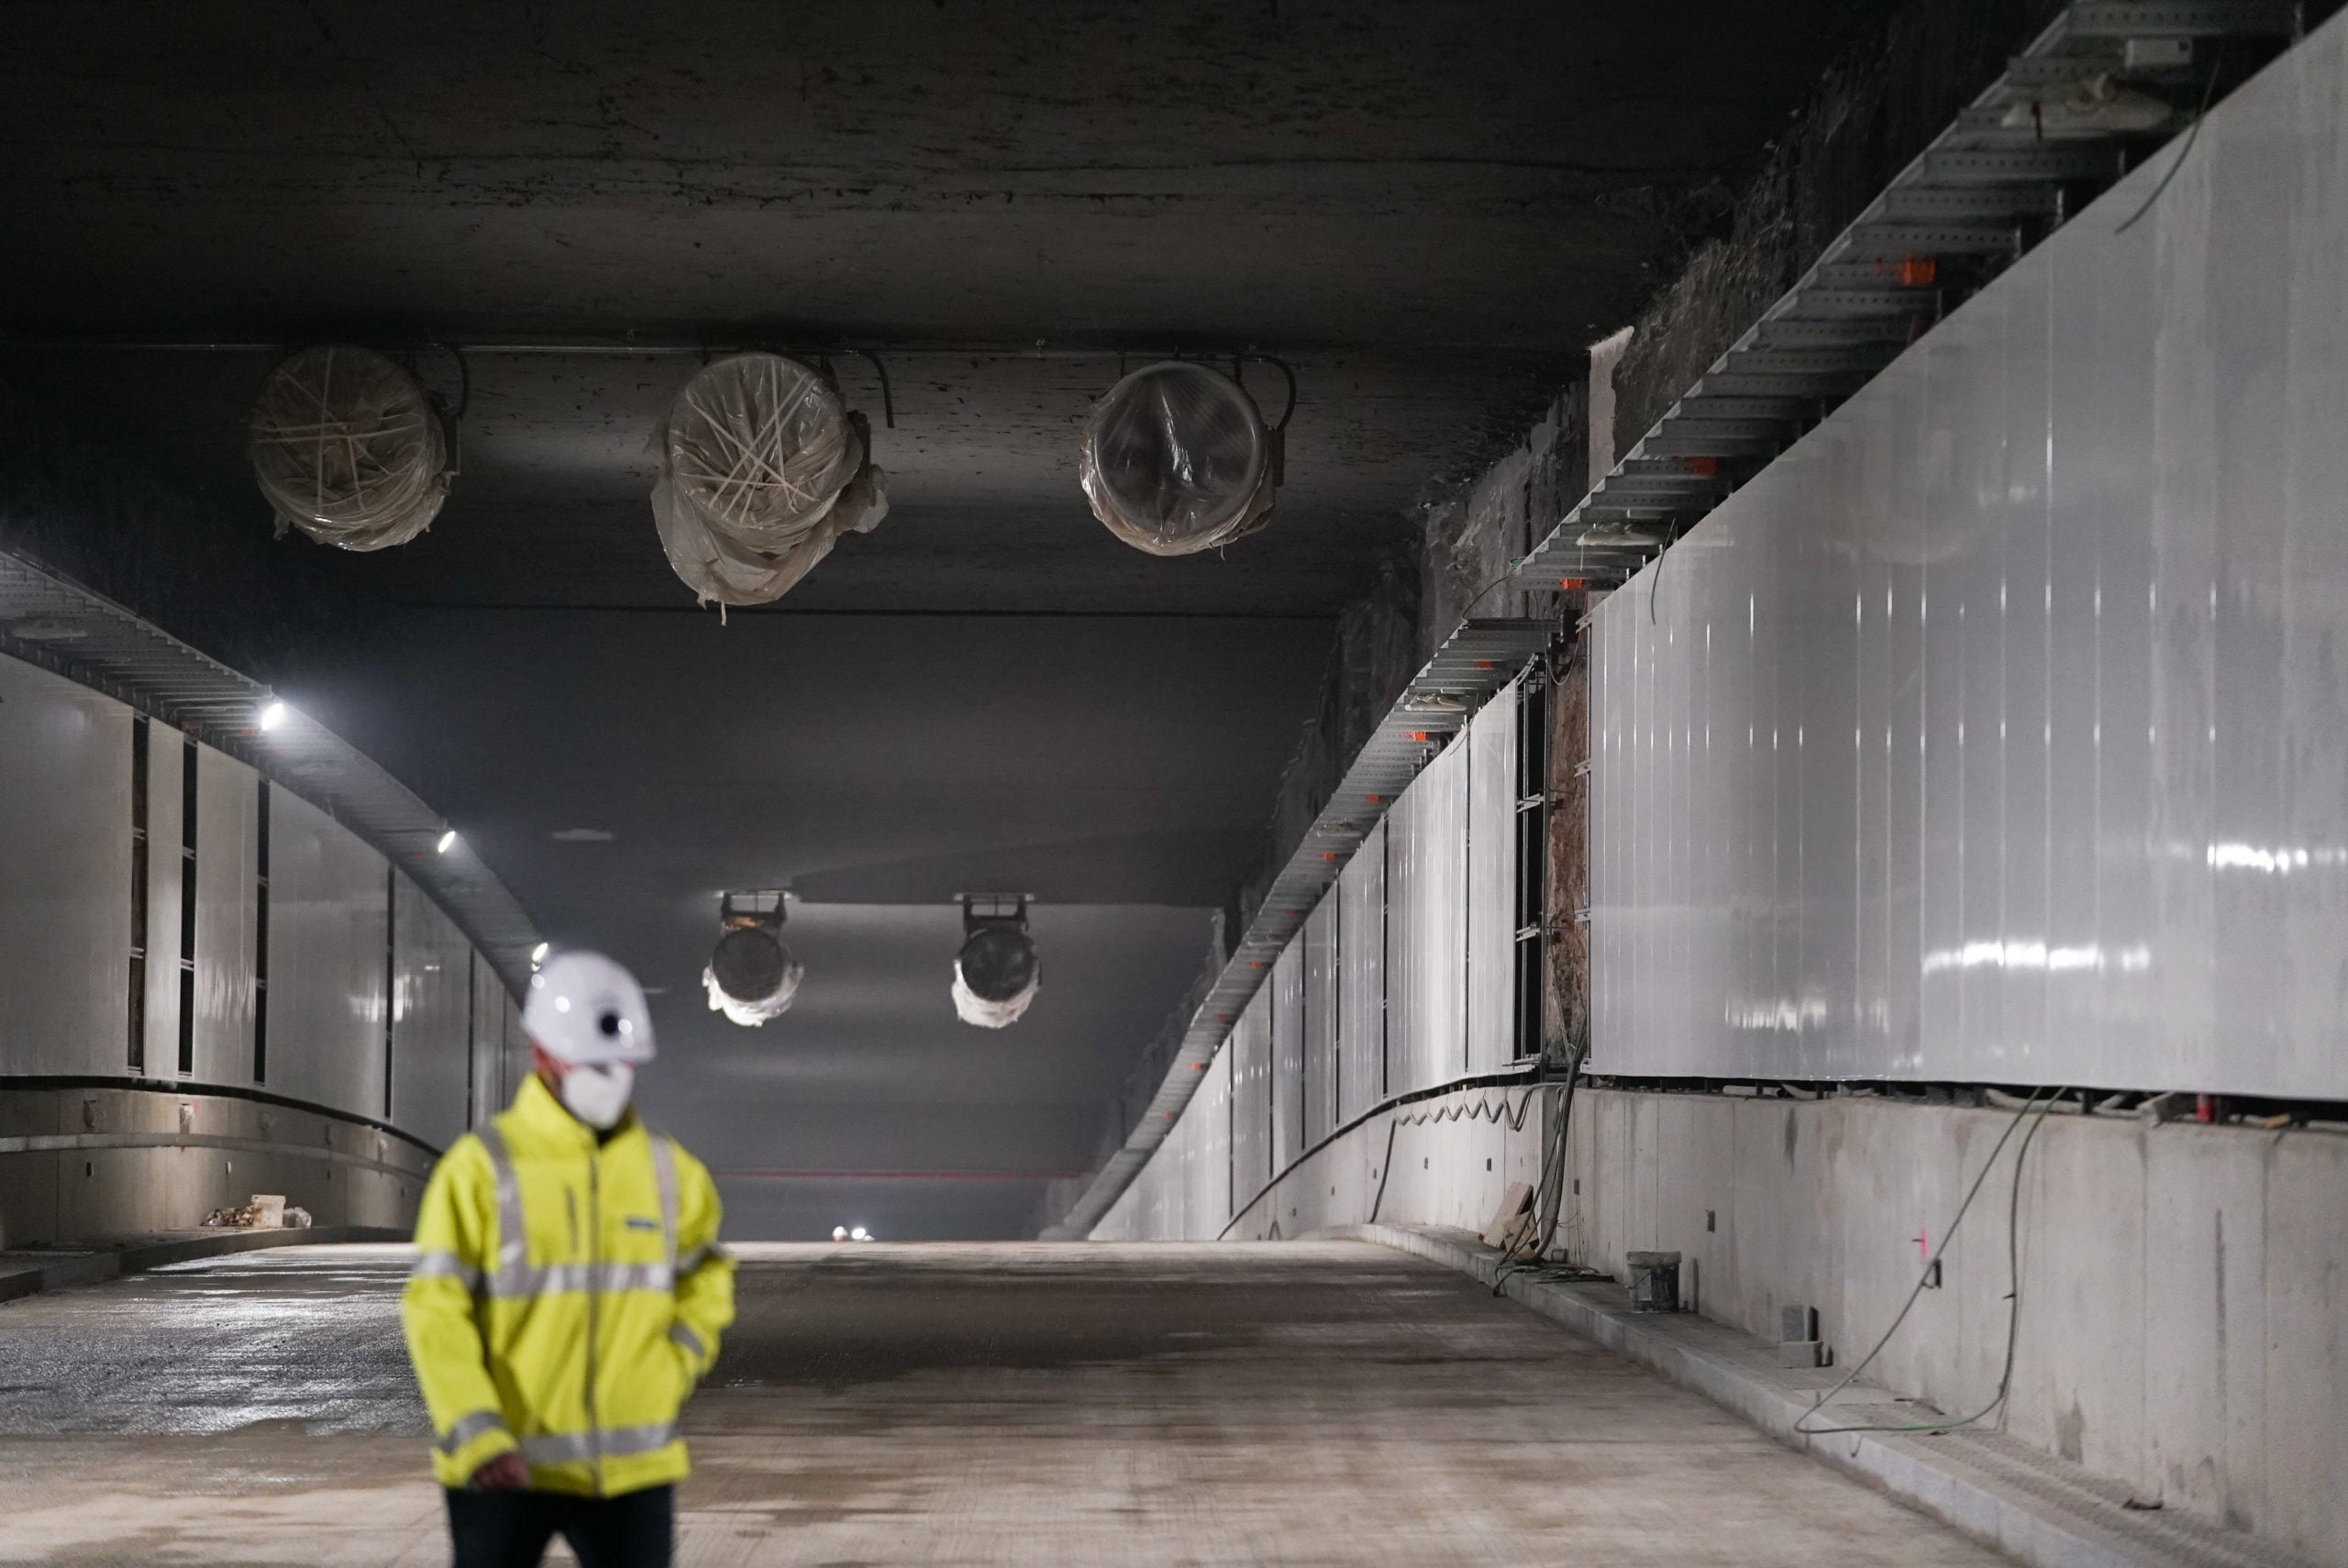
{"x": 586, "y": 1009}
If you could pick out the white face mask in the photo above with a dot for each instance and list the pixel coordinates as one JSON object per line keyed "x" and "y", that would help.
{"x": 598, "y": 1095}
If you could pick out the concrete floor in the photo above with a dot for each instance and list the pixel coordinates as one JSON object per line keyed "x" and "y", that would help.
{"x": 1309, "y": 1403}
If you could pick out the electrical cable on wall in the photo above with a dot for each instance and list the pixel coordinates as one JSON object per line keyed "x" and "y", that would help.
{"x": 2033, "y": 1109}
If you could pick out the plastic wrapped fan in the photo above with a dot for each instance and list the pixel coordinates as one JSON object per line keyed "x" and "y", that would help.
{"x": 348, "y": 448}
{"x": 751, "y": 976}
{"x": 995, "y": 977}
{"x": 1177, "y": 459}
{"x": 761, "y": 471}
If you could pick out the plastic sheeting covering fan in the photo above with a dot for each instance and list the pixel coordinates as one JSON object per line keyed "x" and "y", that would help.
{"x": 762, "y": 470}
{"x": 1177, "y": 459}
{"x": 995, "y": 977}
{"x": 348, "y": 448}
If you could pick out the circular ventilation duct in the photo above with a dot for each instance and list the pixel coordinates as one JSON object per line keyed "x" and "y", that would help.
{"x": 348, "y": 448}
{"x": 751, "y": 976}
{"x": 996, "y": 974}
{"x": 762, "y": 469}
{"x": 1178, "y": 459}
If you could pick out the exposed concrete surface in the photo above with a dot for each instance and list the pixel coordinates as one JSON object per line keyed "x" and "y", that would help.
{"x": 90, "y": 1162}
{"x": 1324, "y": 1402}
{"x": 2181, "y": 1306}
{"x": 2041, "y": 1510}
{"x": 29, "y": 1272}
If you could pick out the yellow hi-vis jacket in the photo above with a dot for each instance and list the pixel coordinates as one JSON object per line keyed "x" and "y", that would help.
{"x": 566, "y": 1298}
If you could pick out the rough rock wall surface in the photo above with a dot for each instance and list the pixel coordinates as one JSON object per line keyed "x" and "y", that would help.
{"x": 1874, "y": 111}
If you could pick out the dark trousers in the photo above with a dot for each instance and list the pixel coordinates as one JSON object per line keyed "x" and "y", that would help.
{"x": 510, "y": 1529}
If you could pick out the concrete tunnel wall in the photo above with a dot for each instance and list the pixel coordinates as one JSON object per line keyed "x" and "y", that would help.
{"x": 118, "y": 1116}
{"x": 2182, "y": 1293}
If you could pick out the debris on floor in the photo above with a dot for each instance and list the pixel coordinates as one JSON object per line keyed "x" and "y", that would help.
{"x": 267, "y": 1212}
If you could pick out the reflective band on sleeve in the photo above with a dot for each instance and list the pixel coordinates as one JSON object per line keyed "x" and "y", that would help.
{"x": 664, "y": 1176}
{"x": 520, "y": 1280}
{"x": 698, "y": 1256}
{"x": 440, "y": 1264}
{"x": 466, "y": 1428}
{"x": 513, "y": 1242}
{"x": 679, "y": 1333}
{"x": 612, "y": 1442}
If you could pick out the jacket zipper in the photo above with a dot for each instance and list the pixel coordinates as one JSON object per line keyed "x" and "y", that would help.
{"x": 594, "y": 1290}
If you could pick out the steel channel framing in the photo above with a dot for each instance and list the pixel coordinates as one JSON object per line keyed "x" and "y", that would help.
{"x": 1473, "y": 664}
{"x": 1982, "y": 193}
{"x": 49, "y": 621}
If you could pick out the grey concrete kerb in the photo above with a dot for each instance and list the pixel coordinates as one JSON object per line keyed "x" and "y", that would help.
{"x": 2036, "y": 1509}
{"x": 25, "y": 1276}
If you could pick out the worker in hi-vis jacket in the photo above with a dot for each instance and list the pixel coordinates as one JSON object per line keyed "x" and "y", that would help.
{"x": 567, "y": 1296}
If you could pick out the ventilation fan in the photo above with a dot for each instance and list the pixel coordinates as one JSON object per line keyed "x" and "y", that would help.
{"x": 751, "y": 976}
{"x": 348, "y": 448}
{"x": 762, "y": 469}
{"x": 1178, "y": 459}
{"x": 995, "y": 974}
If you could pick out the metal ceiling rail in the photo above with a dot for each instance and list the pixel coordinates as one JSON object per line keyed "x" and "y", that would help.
{"x": 1474, "y": 663}
{"x": 51, "y": 621}
{"x": 2095, "y": 93}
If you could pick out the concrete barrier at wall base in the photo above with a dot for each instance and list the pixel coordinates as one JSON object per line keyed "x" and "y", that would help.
{"x": 2038, "y": 1509}
{"x": 26, "y": 1275}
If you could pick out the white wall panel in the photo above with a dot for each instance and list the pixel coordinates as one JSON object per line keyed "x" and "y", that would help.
{"x": 327, "y": 960}
{"x": 65, "y": 875}
{"x": 491, "y": 1042}
{"x": 1997, "y": 730}
{"x": 167, "y": 759}
{"x": 1208, "y": 1196}
{"x": 1491, "y": 902}
{"x": 1287, "y": 1020}
{"x": 1426, "y": 926}
{"x": 226, "y": 912}
{"x": 1250, "y": 1051}
{"x": 1323, "y": 1002}
{"x": 1361, "y": 977}
{"x": 430, "y": 1017}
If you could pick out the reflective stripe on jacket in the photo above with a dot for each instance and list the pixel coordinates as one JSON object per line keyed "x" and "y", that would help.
{"x": 566, "y": 1298}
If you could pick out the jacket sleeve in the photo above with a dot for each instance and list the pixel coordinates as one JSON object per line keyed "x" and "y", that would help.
{"x": 705, "y": 1272}
{"x": 455, "y": 1233}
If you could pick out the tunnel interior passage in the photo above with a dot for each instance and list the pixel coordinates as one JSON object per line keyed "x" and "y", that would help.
{"x": 1323, "y": 1402}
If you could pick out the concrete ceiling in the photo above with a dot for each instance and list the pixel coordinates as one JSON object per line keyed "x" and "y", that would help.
{"x": 1424, "y": 209}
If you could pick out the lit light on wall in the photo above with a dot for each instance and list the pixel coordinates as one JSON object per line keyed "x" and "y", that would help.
{"x": 538, "y": 954}
{"x": 448, "y": 840}
{"x": 271, "y": 715}
{"x": 2090, "y": 958}
{"x": 2280, "y": 861}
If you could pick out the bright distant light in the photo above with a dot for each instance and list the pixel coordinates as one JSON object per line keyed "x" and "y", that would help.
{"x": 273, "y": 715}
{"x": 859, "y": 1234}
{"x": 447, "y": 840}
{"x": 538, "y": 954}
{"x": 839, "y": 1233}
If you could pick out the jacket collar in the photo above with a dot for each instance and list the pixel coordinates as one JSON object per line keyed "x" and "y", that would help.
{"x": 544, "y": 1118}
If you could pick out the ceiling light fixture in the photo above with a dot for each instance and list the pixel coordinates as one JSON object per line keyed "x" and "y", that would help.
{"x": 448, "y": 841}
{"x": 996, "y": 974}
{"x": 538, "y": 954}
{"x": 272, "y": 714}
